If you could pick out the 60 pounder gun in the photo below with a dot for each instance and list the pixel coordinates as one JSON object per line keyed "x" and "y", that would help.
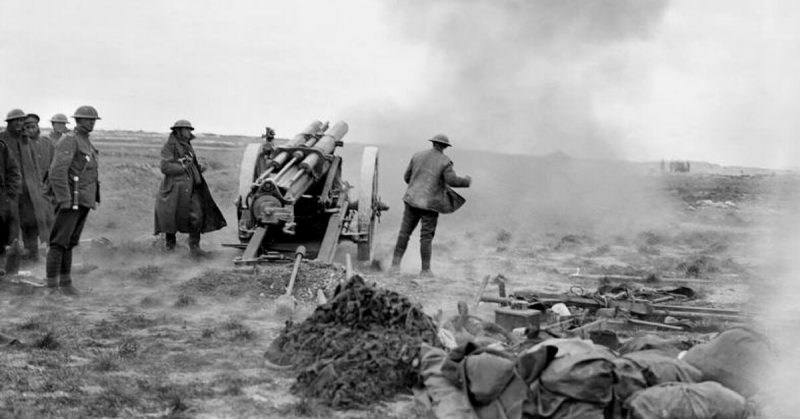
{"x": 294, "y": 195}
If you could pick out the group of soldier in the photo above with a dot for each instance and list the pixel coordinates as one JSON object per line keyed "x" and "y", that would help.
{"x": 49, "y": 185}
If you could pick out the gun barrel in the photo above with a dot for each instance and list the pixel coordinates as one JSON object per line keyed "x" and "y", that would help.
{"x": 311, "y": 130}
{"x": 325, "y": 145}
{"x": 305, "y": 136}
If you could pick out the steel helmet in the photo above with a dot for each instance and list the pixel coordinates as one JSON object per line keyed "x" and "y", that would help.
{"x": 15, "y": 114}
{"x": 182, "y": 123}
{"x": 441, "y": 139}
{"x": 59, "y": 117}
{"x": 87, "y": 112}
{"x": 32, "y": 117}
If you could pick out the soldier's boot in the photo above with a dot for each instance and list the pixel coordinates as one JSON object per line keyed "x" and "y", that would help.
{"x": 30, "y": 240}
{"x": 13, "y": 258}
{"x": 65, "y": 272}
{"x": 171, "y": 241}
{"x": 52, "y": 266}
{"x": 194, "y": 246}
{"x": 399, "y": 251}
{"x": 425, "y": 251}
{"x": 32, "y": 254}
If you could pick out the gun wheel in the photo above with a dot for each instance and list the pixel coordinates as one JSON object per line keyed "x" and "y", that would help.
{"x": 368, "y": 201}
{"x": 247, "y": 173}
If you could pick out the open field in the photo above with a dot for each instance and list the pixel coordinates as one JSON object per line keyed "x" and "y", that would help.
{"x": 154, "y": 335}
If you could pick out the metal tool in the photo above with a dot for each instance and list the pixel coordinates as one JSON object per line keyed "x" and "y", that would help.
{"x": 285, "y": 303}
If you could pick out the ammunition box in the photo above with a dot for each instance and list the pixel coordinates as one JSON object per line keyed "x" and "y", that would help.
{"x": 511, "y": 319}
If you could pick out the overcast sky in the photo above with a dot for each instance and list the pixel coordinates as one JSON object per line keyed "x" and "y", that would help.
{"x": 634, "y": 79}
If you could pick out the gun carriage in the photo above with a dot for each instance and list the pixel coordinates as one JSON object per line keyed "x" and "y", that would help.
{"x": 294, "y": 195}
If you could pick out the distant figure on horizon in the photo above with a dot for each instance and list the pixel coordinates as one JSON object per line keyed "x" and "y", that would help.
{"x": 429, "y": 177}
{"x": 59, "y": 122}
{"x": 184, "y": 203}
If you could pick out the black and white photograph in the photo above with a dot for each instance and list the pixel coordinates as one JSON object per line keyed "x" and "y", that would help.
{"x": 509, "y": 209}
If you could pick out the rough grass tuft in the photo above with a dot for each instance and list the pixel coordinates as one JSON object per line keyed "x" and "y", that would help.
{"x": 150, "y": 302}
{"x": 106, "y": 361}
{"x": 305, "y": 408}
{"x": 48, "y": 341}
{"x": 185, "y": 300}
{"x": 33, "y": 323}
{"x": 116, "y": 397}
{"x": 237, "y": 331}
{"x": 128, "y": 348}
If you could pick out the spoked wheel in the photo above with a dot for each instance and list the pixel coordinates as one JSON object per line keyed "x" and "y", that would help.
{"x": 368, "y": 203}
{"x": 247, "y": 173}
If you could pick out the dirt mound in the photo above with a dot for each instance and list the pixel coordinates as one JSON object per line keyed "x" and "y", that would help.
{"x": 359, "y": 348}
{"x": 269, "y": 280}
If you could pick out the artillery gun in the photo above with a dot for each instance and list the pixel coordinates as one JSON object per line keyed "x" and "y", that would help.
{"x": 294, "y": 195}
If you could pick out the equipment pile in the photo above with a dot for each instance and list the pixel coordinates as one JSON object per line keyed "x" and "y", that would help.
{"x": 576, "y": 378}
{"x": 360, "y": 347}
{"x": 584, "y": 355}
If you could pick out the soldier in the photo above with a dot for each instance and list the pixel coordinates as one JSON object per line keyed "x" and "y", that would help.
{"x": 59, "y": 122}
{"x": 43, "y": 147}
{"x": 265, "y": 152}
{"x": 76, "y": 190}
{"x": 33, "y": 213}
{"x": 10, "y": 184}
{"x": 429, "y": 174}
{"x": 184, "y": 203}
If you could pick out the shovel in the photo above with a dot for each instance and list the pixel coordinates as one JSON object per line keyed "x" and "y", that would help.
{"x": 285, "y": 303}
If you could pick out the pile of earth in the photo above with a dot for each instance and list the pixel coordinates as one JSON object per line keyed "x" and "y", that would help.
{"x": 266, "y": 280}
{"x": 359, "y": 348}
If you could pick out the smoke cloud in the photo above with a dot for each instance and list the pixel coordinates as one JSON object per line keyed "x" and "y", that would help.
{"x": 519, "y": 76}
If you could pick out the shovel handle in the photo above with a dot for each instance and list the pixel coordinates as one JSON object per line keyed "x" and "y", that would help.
{"x": 299, "y": 254}
{"x": 348, "y": 267}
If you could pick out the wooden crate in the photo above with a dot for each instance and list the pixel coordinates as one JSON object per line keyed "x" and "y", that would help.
{"x": 511, "y": 319}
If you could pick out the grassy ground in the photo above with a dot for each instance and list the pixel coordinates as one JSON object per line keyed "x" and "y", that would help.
{"x": 146, "y": 337}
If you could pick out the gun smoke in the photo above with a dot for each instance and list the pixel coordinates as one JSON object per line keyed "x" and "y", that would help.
{"x": 521, "y": 76}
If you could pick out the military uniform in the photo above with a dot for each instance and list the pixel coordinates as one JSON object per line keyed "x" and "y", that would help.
{"x": 43, "y": 149}
{"x": 34, "y": 213}
{"x": 428, "y": 175}
{"x": 265, "y": 152}
{"x": 76, "y": 189}
{"x": 10, "y": 185}
{"x": 55, "y": 136}
{"x": 184, "y": 203}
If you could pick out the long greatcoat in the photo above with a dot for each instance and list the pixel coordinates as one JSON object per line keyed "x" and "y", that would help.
{"x": 181, "y": 181}
{"x": 24, "y": 152}
{"x": 44, "y": 149}
{"x": 10, "y": 184}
